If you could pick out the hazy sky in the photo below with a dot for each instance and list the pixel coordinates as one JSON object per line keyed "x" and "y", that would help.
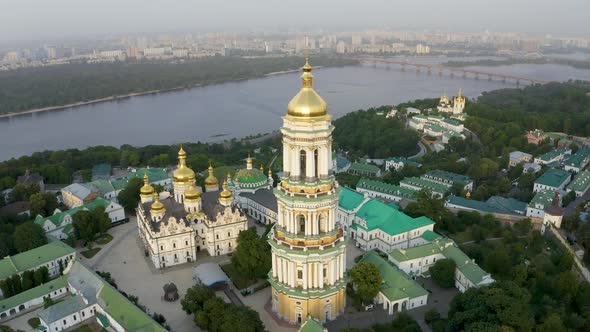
{"x": 31, "y": 19}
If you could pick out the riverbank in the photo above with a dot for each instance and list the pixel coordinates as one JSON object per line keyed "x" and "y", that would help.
{"x": 43, "y": 89}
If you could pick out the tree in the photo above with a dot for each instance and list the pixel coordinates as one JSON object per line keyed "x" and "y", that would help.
{"x": 6, "y": 244}
{"x": 50, "y": 203}
{"x": 129, "y": 197}
{"x": 37, "y": 202}
{"x": 195, "y": 298}
{"x": 41, "y": 276}
{"x": 552, "y": 323}
{"x": 443, "y": 272}
{"x": 84, "y": 227}
{"x": 405, "y": 323}
{"x": 6, "y": 287}
{"x": 47, "y": 302}
{"x": 28, "y": 236}
{"x": 366, "y": 279}
{"x": 16, "y": 283}
{"x": 28, "y": 279}
{"x": 101, "y": 219}
{"x": 478, "y": 307}
{"x": 252, "y": 257}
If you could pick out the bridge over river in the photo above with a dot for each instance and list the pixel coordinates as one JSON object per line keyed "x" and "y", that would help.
{"x": 452, "y": 71}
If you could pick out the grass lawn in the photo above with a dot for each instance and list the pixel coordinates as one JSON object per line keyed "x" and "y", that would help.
{"x": 462, "y": 236}
{"x": 104, "y": 239}
{"x": 34, "y": 322}
{"x": 90, "y": 253}
{"x": 239, "y": 281}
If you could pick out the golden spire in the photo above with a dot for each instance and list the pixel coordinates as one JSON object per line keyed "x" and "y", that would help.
{"x": 225, "y": 196}
{"x": 211, "y": 181}
{"x": 307, "y": 103}
{"x": 183, "y": 173}
{"x": 261, "y": 168}
{"x": 269, "y": 172}
{"x": 460, "y": 93}
{"x": 228, "y": 176}
{"x": 146, "y": 190}
{"x": 249, "y": 162}
{"x": 157, "y": 206}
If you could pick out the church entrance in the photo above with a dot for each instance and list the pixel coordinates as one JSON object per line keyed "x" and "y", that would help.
{"x": 198, "y": 248}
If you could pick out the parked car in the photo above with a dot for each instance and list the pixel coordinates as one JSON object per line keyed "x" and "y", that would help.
{"x": 369, "y": 307}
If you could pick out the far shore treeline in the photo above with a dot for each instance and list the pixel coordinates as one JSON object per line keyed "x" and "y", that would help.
{"x": 34, "y": 88}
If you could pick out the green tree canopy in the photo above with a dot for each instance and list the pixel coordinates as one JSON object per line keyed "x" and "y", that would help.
{"x": 443, "y": 273}
{"x": 129, "y": 197}
{"x": 366, "y": 279}
{"x": 252, "y": 257}
{"x": 29, "y": 236}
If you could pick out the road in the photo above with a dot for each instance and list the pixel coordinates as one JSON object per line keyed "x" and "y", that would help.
{"x": 420, "y": 153}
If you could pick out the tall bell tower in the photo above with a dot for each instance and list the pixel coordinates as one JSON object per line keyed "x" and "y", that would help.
{"x": 308, "y": 247}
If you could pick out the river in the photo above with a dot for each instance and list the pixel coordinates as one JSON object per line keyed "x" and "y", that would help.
{"x": 218, "y": 112}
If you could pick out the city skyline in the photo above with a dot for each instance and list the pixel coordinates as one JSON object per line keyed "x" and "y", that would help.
{"x": 51, "y": 20}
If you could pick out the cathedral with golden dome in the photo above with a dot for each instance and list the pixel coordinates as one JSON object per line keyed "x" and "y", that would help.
{"x": 455, "y": 107}
{"x": 174, "y": 227}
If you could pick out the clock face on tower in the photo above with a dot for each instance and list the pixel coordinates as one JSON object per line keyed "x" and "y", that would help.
{"x": 308, "y": 246}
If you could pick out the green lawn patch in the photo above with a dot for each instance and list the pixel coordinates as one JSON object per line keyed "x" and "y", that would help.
{"x": 238, "y": 280}
{"x": 90, "y": 253}
{"x": 34, "y": 322}
{"x": 104, "y": 239}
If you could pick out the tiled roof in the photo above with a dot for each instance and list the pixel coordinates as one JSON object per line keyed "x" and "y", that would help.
{"x": 553, "y": 177}
{"x": 396, "y": 285}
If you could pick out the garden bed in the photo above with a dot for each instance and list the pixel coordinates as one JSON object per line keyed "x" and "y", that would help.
{"x": 90, "y": 253}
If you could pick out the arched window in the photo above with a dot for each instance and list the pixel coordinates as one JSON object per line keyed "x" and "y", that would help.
{"x": 302, "y": 163}
{"x": 316, "y": 162}
{"x": 301, "y": 224}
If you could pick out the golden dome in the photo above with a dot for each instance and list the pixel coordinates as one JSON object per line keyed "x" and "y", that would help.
{"x": 157, "y": 206}
{"x": 183, "y": 173}
{"x": 146, "y": 189}
{"x": 307, "y": 103}
{"x": 225, "y": 194}
{"x": 211, "y": 180}
{"x": 192, "y": 194}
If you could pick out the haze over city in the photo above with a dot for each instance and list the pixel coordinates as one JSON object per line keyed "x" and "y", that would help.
{"x": 34, "y": 19}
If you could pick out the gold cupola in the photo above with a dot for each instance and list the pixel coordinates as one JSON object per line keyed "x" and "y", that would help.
{"x": 211, "y": 183}
{"x": 183, "y": 173}
{"x": 307, "y": 103}
{"x": 146, "y": 190}
{"x": 225, "y": 196}
{"x": 249, "y": 162}
{"x": 192, "y": 194}
{"x": 157, "y": 206}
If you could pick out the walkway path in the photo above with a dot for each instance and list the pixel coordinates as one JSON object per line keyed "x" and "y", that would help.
{"x": 420, "y": 153}
{"x": 581, "y": 267}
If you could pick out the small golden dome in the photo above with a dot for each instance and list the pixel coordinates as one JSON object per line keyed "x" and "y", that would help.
{"x": 157, "y": 206}
{"x": 307, "y": 103}
{"x": 192, "y": 194}
{"x": 146, "y": 189}
{"x": 225, "y": 194}
{"x": 183, "y": 173}
{"x": 211, "y": 181}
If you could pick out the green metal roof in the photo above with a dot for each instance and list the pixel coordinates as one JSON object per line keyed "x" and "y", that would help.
{"x": 251, "y": 176}
{"x": 578, "y": 158}
{"x": 507, "y": 203}
{"x": 434, "y": 127}
{"x": 452, "y": 122}
{"x": 103, "y": 186}
{"x": 426, "y": 184}
{"x": 581, "y": 182}
{"x": 33, "y": 258}
{"x": 553, "y": 177}
{"x": 155, "y": 174}
{"x": 430, "y": 236}
{"x": 553, "y": 154}
{"x": 364, "y": 168}
{"x": 472, "y": 271}
{"x": 433, "y": 248}
{"x": 58, "y": 218}
{"x": 378, "y": 215}
{"x": 311, "y": 325}
{"x": 350, "y": 199}
{"x": 386, "y": 188}
{"x": 129, "y": 316}
{"x": 33, "y": 293}
{"x": 396, "y": 284}
{"x": 70, "y": 305}
{"x": 542, "y": 197}
{"x": 476, "y": 205}
{"x": 101, "y": 171}
{"x": 448, "y": 176}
